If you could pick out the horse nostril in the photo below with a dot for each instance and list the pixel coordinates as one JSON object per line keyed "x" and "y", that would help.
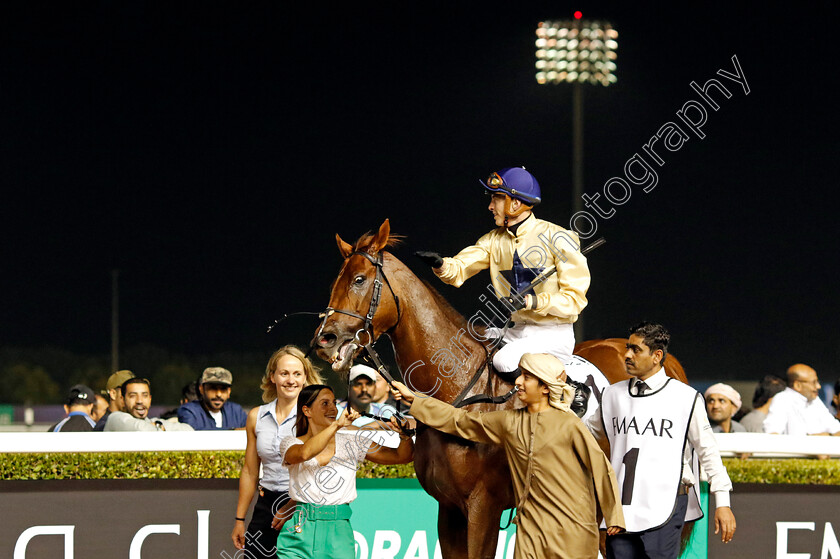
{"x": 326, "y": 340}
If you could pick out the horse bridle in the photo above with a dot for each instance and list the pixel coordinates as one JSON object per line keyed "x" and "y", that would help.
{"x": 375, "y": 298}
{"x": 367, "y": 321}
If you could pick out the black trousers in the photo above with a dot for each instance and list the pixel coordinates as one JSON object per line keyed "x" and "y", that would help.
{"x": 662, "y": 543}
{"x": 260, "y": 537}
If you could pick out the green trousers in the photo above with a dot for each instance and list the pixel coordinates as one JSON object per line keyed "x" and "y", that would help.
{"x": 324, "y": 533}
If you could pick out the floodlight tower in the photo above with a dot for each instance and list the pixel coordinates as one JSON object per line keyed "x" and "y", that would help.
{"x": 576, "y": 52}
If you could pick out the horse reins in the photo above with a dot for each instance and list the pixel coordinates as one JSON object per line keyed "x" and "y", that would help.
{"x": 367, "y": 320}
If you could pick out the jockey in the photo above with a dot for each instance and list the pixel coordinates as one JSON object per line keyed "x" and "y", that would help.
{"x": 518, "y": 250}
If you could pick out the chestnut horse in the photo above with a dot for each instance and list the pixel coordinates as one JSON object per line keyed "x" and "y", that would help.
{"x": 376, "y": 294}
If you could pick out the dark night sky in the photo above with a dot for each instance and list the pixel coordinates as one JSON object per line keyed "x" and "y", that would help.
{"x": 210, "y": 151}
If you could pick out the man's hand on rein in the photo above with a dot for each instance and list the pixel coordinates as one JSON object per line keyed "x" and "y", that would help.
{"x": 401, "y": 392}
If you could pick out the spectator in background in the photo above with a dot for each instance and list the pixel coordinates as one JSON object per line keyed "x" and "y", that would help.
{"x": 189, "y": 393}
{"x": 769, "y": 386}
{"x": 213, "y": 409}
{"x": 722, "y": 402}
{"x": 835, "y": 400}
{"x": 113, "y": 392}
{"x": 78, "y": 406}
{"x": 137, "y": 397}
{"x": 797, "y": 410}
{"x": 360, "y": 396}
{"x": 100, "y": 407}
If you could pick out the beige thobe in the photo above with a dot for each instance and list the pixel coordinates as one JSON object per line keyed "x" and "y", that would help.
{"x": 570, "y": 474}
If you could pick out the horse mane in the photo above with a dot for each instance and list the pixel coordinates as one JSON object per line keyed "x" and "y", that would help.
{"x": 364, "y": 241}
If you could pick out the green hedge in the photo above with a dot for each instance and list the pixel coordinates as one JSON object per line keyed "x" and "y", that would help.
{"x": 154, "y": 465}
{"x": 186, "y": 465}
{"x": 789, "y": 470}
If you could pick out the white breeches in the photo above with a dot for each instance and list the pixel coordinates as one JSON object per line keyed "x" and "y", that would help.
{"x": 554, "y": 339}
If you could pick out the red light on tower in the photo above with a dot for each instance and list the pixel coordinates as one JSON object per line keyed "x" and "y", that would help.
{"x": 578, "y": 14}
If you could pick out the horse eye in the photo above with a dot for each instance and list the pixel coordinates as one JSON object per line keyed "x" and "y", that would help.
{"x": 359, "y": 280}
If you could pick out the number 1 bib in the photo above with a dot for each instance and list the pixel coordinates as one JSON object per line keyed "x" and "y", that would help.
{"x": 647, "y": 437}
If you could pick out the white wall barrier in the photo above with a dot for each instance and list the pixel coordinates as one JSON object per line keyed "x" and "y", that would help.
{"x": 757, "y": 444}
{"x": 760, "y": 445}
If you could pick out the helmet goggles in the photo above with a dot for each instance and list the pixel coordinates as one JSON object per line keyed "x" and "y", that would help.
{"x": 496, "y": 183}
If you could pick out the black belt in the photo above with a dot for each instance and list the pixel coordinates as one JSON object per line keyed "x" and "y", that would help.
{"x": 683, "y": 489}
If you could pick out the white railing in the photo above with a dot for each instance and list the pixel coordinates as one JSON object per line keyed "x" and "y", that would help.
{"x": 760, "y": 445}
{"x": 140, "y": 441}
{"x": 756, "y": 444}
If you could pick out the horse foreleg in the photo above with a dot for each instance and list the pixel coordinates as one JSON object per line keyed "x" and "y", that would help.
{"x": 483, "y": 525}
{"x": 452, "y": 533}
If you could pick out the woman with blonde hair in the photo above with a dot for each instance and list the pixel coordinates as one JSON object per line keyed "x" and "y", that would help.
{"x": 287, "y": 372}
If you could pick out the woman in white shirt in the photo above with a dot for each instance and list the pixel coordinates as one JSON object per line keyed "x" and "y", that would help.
{"x": 322, "y": 464}
{"x": 287, "y": 372}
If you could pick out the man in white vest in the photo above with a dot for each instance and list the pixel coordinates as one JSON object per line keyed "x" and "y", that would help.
{"x": 657, "y": 428}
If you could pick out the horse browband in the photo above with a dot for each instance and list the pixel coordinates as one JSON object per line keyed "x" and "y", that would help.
{"x": 374, "y": 299}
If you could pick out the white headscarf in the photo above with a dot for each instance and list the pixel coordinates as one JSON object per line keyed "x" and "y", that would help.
{"x": 547, "y": 368}
{"x": 725, "y": 390}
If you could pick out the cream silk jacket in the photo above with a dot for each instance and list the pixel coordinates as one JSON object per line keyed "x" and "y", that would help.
{"x": 516, "y": 259}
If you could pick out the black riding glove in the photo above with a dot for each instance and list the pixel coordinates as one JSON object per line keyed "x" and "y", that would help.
{"x": 433, "y": 259}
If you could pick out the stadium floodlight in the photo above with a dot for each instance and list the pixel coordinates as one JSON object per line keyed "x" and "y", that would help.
{"x": 576, "y": 51}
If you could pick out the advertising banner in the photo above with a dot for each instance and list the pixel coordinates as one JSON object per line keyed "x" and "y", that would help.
{"x": 186, "y": 519}
{"x": 781, "y": 522}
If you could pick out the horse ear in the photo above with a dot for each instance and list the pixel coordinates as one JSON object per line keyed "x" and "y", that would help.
{"x": 344, "y": 248}
{"x": 380, "y": 241}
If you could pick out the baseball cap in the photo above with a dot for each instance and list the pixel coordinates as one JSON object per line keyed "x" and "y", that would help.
{"x": 116, "y": 380}
{"x": 360, "y": 370}
{"x": 80, "y": 392}
{"x": 216, "y": 375}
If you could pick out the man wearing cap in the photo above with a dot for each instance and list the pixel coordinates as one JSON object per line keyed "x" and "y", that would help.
{"x": 656, "y": 430}
{"x": 78, "y": 406}
{"x": 113, "y": 391}
{"x": 518, "y": 250}
{"x": 213, "y": 409}
{"x": 560, "y": 475}
{"x": 797, "y": 410}
{"x": 360, "y": 396}
{"x": 722, "y": 402}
